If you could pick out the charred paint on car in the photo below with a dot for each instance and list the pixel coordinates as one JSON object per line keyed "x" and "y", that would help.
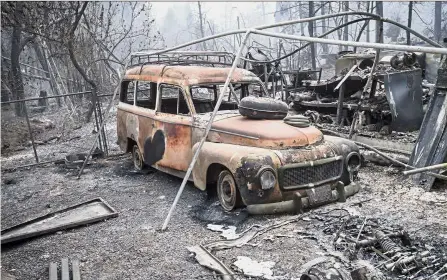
{"x": 244, "y": 147}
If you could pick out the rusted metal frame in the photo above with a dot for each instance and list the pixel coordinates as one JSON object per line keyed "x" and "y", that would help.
{"x": 374, "y": 16}
{"x": 335, "y": 29}
{"x": 48, "y": 97}
{"x": 207, "y": 130}
{"x": 308, "y": 44}
{"x": 353, "y": 44}
{"x": 423, "y": 169}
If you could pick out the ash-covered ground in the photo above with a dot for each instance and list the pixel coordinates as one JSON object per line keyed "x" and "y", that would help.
{"x": 131, "y": 246}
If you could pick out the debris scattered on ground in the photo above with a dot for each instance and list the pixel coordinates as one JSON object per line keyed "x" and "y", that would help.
{"x": 228, "y": 232}
{"x": 88, "y": 212}
{"x": 206, "y": 259}
{"x": 255, "y": 269}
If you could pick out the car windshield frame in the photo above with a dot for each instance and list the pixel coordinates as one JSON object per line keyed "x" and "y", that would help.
{"x": 261, "y": 85}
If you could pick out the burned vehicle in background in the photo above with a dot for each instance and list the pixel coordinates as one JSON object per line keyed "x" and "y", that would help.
{"x": 266, "y": 162}
{"x": 393, "y": 102}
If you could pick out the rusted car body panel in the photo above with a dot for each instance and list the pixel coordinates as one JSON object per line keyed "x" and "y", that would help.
{"x": 241, "y": 145}
{"x": 188, "y": 75}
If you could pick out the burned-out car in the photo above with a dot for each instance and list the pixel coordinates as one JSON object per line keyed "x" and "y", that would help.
{"x": 268, "y": 165}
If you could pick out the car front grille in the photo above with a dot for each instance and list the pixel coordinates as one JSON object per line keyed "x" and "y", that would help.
{"x": 305, "y": 175}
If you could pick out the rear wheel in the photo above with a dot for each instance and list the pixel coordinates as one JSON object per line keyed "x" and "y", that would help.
{"x": 137, "y": 158}
{"x": 227, "y": 191}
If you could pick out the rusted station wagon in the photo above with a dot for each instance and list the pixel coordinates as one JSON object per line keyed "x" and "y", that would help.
{"x": 266, "y": 164}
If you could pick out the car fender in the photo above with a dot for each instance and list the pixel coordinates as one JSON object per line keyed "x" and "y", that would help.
{"x": 243, "y": 162}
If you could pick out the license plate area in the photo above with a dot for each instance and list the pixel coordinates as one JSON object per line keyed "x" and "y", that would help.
{"x": 319, "y": 195}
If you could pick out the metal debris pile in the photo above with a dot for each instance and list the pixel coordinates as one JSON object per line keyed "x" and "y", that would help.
{"x": 386, "y": 249}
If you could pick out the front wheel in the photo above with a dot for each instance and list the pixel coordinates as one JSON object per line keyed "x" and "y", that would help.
{"x": 137, "y": 158}
{"x": 227, "y": 191}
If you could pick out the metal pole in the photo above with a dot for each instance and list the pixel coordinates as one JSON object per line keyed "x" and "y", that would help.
{"x": 345, "y": 77}
{"x": 367, "y": 88}
{"x": 30, "y": 132}
{"x": 48, "y": 97}
{"x": 341, "y": 97}
{"x": 207, "y": 130}
{"x": 427, "y": 168}
{"x": 266, "y": 81}
{"x": 354, "y": 44}
{"x": 374, "y": 17}
{"x": 439, "y": 176}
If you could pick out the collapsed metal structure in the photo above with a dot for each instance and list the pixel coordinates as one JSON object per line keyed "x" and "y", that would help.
{"x": 437, "y": 49}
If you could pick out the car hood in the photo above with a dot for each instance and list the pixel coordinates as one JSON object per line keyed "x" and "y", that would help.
{"x": 232, "y": 128}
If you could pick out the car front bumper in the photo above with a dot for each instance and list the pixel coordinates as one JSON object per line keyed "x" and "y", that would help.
{"x": 299, "y": 203}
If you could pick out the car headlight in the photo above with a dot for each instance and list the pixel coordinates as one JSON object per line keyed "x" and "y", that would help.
{"x": 353, "y": 161}
{"x": 267, "y": 178}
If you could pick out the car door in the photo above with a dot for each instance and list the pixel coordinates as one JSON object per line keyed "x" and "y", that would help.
{"x": 170, "y": 144}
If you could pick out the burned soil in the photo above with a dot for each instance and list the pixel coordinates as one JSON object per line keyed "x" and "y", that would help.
{"x": 132, "y": 247}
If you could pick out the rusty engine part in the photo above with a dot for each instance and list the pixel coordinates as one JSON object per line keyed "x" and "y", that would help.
{"x": 297, "y": 120}
{"x": 400, "y": 255}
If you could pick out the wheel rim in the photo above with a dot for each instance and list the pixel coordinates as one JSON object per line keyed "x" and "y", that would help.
{"x": 227, "y": 192}
{"x": 137, "y": 160}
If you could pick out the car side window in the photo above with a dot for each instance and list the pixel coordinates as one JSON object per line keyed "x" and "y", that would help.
{"x": 172, "y": 100}
{"x": 127, "y": 92}
{"x": 145, "y": 94}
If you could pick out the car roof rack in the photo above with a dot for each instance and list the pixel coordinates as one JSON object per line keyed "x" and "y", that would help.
{"x": 198, "y": 58}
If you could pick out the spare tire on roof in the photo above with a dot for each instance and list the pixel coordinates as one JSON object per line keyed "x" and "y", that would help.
{"x": 263, "y": 108}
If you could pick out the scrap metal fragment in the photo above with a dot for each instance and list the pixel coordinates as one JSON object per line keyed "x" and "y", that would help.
{"x": 431, "y": 145}
{"x": 249, "y": 235}
{"x": 84, "y": 213}
{"x": 255, "y": 269}
{"x": 404, "y": 93}
{"x": 206, "y": 259}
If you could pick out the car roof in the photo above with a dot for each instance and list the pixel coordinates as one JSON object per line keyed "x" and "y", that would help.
{"x": 188, "y": 75}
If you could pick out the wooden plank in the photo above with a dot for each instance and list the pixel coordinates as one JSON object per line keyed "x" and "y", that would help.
{"x": 75, "y": 269}
{"x": 65, "y": 271}
{"x": 53, "y": 271}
